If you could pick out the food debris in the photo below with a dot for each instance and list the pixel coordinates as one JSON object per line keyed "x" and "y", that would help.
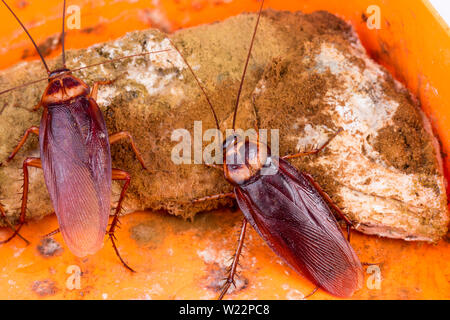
{"x": 49, "y": 247}
{"x": 44, "y": 288}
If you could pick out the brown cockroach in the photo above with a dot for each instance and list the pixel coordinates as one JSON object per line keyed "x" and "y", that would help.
{"x": 287, "y": 208}
{"x": 75, "y": 157}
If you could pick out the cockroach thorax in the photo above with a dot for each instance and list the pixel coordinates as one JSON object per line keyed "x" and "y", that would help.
{"x": 243, "y": 158}
{"x": 63, "y": 87}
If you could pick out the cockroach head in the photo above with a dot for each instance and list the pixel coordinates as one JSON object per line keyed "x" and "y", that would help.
{"x": 63, "y": 87}
{"x": 57, "y": 73}
{"x": 244, "y": 157}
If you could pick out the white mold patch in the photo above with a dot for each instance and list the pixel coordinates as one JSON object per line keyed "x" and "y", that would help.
{"x": 366, "y": 109}
{"x": 294, "y": 294}
{"x": 155, "y": 76}
{"x": 105, "y": 95}
{"x": 154, "y": 71}
{"x": 211, "y": 255}
{"x": 312, "y": 136}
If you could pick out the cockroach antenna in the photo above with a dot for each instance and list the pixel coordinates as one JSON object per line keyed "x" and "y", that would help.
{"x": 63, "y": 35}
{"x": 198, "y": 82}
{"x": 85, "y": 67}
{"x": 63, "y": 53}
{"x": 243, "y": 74}
{"x": 31, "y": 38}
{"x": 246, "y": 64}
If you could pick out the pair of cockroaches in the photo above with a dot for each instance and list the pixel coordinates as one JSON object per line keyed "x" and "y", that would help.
{"x": 287, "y": 208}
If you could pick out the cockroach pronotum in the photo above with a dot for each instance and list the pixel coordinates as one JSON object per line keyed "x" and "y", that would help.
{"x": 288, "y": 209}
{"x": 75, "y": 157}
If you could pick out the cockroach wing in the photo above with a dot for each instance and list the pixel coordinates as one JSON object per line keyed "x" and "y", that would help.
{"x": 76, "y": 160}
{"x": 294, "y": 220}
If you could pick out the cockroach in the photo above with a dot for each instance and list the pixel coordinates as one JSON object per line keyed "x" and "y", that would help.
{"x": 75, "y": 157}
{"x": 288, "y": 209}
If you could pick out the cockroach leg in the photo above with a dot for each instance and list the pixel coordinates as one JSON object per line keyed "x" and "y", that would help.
{"x": 52, "y": 233}
{"x": 331, "y": 203}
{"x": 215, "y": 197}
{"x": 313, "y": 151}
{"x": 95, "y": 86}
{"x": 28, "y": 162}
{"x": 311, "y": 293}
{"x": 118, "y": 174}
{"x": 230, "y": 279}
{"x": 34, "y": 130}
{"x": 36, "y": 107}
{"x": 126, "y": 135}
{"x": 10, "y": 226}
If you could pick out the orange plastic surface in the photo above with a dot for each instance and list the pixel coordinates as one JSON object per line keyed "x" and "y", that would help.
{"x": 185, "y": 260}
